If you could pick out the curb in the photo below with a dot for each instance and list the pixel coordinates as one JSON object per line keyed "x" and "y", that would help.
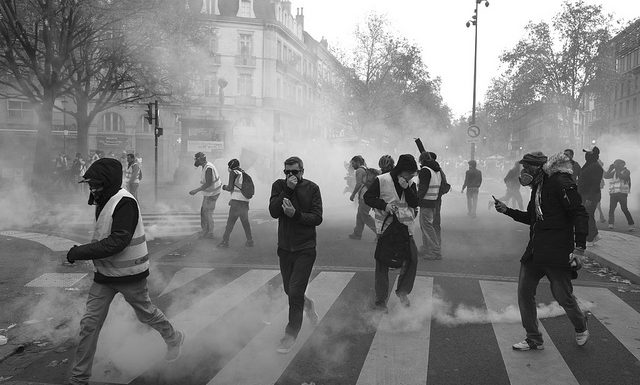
{"x": 613, "y": 266}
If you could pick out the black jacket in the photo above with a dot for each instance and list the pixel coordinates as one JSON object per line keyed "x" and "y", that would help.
{"x": 108, "y": 172}
{"x": 565, "y": 222}
{"x": 589, "y": 181}
{"x": 298, "y": 232}
{"x": 373, "y": 200}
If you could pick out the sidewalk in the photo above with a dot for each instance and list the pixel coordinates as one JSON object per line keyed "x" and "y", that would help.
{"x": 620, "y": 252}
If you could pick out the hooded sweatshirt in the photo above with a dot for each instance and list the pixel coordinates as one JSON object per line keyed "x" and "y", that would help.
{"x": 108, "y": 172}
{"x": 590, "y": 177}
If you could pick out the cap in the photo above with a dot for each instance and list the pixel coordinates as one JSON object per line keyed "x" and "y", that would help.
{"x": 536, "y": 158}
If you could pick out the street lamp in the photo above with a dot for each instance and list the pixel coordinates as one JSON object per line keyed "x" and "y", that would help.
{"x": 64, "y": 125}
{"x": 474, "y": 21}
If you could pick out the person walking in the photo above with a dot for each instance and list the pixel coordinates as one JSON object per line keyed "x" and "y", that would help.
{"x": 363, "y": 176}
{"x": 386, "y": 164}
{"x": 557, "y": 234}
{"x": 589, "y": 189}
{"x": 238, "y": 204}
{"x": 575, "y": 166}
{"x": 511, "y": 180}
{"x": 429, "y": 183}
{"x": 619, "y": 188}
{"x": 132, "y": 175}
{"x": 210, "y": 186}
{"x": 445, "y": 187}
{"x": 394, "y": 193}
{"x": 472, "y": 182}
{"x": 297, "y": 204}
{"x": 121, "y": 265}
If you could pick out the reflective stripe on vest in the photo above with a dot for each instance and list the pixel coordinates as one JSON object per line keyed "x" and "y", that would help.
{"x": 434, "y": 185}
{"x": 216, "y": 186}
{"x": 134, "y": 258}
{"x": 128, "y": 172}
{"x": 388, "y": 194}
{"x": 617, "y": 185}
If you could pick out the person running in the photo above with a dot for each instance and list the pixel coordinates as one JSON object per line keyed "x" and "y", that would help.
{"x": 362, "y": 182}
{"x": 238, "y": 205}
{"x": 394, "y": 193}
{"x": 121, "y": 265}
{"x": 472, "y": 182}
{"x": 297, "y": 204}
{"x": 210, "y": 186}
{"x": 619, "y": 189}
{"x": 557, "y": 236}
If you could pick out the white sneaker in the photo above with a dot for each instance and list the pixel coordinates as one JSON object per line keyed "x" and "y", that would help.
{"x": 610, "y": 226}
{"x": 286, "y": 344}
{"x": 582, "y": 338}
{"x": 525, "y": 345}
{"x": 310, "y": 311}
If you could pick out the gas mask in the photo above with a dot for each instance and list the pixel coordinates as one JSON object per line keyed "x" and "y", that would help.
{"x": 528, "y": 175}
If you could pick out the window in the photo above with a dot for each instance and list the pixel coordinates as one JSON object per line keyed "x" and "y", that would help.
{"x": 213, "y": 43}
{"x": 18, "y": 109}
{"x": 245, "y": 85}
{"x": 279, "y": 50}
{"x": 279, "y": 88}
{"x": 210, "y": 85}
{"x": 245, "y": 8}
{"x": 112, "y": 122}
{"x": 246, "y": 44}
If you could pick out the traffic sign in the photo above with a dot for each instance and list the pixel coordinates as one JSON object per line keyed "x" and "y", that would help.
{"x": 473, "y": 131}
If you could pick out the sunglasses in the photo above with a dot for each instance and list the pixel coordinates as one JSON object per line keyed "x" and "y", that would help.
{"x": 294, "y": 172}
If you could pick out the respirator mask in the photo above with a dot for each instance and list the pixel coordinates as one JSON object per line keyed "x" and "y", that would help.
{"x": 527, "y": 176}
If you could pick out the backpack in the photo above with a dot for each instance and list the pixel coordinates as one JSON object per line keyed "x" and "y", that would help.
{"x": 372, "y": 174}
{"x": 445, "y": 187}
{"x": 394, "y": 244}
{"x": 247, "y": 189}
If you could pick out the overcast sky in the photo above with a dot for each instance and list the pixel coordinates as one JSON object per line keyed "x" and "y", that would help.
{"x": 439, "y": 28}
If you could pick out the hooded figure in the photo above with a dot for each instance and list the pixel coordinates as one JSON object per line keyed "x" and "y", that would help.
{"x": 589, "y": 189}
{"x": 557, "y": 235}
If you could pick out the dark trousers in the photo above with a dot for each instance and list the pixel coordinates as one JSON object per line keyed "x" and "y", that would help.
{"x": 363, "y": 218}
{"x": 562, "y": 291}
{"x": 437, "y": 220}
{"x": 295, "y": 268}
{"x": 237, "y": 209}
{"x": 405, "y": 280}
{"x": 472, "y": 200}
{"x": 621, "y": 198}
{"x": 591, "y": 206}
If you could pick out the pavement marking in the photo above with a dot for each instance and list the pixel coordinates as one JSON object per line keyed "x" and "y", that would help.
{"x": 141, "y": 352}
{"x": 524, "y": 368}
{"x": 399, "y": 353}
{"x": 259, "y": 363}
{"x": 621, "y": 319}
{"x": 56, "y": 280}
{"x": 50, "y": 241}
{"x": 184, "y": 276}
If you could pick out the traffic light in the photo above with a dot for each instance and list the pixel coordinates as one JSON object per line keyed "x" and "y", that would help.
{"x": 158, "y": 132}
{"x": 149, "y": 116}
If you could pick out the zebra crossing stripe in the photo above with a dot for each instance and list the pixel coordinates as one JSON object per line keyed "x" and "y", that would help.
{"x": 259, "y": 363}
{"x": 184, "y": 276}
{"x": 396, "y": 355}
{"x": 149, "y": 348}
{"x": 524, "y": 368}
{"x": 618, "y": 317}
{"x": 50, "y": 241}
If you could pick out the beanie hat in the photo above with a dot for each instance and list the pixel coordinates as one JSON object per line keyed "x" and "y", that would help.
{"x": 233, "y": 163}
{"x": 536, "y": 158}
{"x": 619, "y": 162}
{"x": 406, "y": 162}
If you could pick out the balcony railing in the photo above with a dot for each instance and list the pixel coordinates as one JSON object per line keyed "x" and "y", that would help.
{"x": 246, "y": 61}
{"x": 244, "y": 100}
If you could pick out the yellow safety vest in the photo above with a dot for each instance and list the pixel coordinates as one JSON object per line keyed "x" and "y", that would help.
{"x": 134, "y": 259}
{"x": 406, "y": 214}
{"x": 216, "y": 186}
{"x": 434, "y": 185}
{"x": 128, "y": 172}
{"x": 617, "y": 185}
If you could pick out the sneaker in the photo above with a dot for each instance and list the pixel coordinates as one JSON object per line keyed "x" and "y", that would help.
{"x": 582, "y": 338}
{"x": 174, "y": 349}
{"x": 525, "y": 345}
{"x": 286, "y": 344}
{"x": 404, "y": 300}
{"x": 310, "y": 311}
{"x": 223, "y": 244}
{"x": 356, "y": 237}
{"x": 593, "y": 243}
{"x": 610, "y": 226}
{"x": 380, "y": 307}
{"x": 632, "y": 228}
{"x": 249, "y": 243}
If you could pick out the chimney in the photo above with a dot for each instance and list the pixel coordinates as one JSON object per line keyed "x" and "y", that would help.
{"x": 300, "y": 18}
{"x": 324, "y": 43}
{"x": 287, "y": 6}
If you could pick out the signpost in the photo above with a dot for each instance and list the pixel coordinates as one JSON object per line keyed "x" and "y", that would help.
{"x": 473, "y": 131}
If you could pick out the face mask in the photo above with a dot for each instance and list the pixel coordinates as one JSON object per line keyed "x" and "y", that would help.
{"x": 526, "y": 177}
{"x": 196, "y": 163}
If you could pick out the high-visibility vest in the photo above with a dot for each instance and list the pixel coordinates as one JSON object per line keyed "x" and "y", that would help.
{"x": 216, "y": 186}
{"x": 617, "y": 185}
{"x": 134, "y": 259}
{"x": 406, "y": 214}
{"x": 434, "y": 185}
{"x": 128, "y": 172}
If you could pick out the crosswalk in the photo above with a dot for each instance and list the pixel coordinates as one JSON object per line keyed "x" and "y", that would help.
{"x": 234, "y": 318}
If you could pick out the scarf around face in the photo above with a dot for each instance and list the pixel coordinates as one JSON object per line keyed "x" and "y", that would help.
{"x": 539, "y": 182}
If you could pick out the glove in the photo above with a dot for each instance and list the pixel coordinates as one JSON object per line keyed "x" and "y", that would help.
{"x": 71, "y": 255}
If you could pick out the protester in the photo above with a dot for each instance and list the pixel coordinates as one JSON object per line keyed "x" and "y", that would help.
{"x": 599, "y": 208}
{"x": 511, "y": 180}
{"x": 445, "y": 187}
{"x": 575, "y": 166}
{"x": 429, "y": 182}
{"x": 132, "y": 175}
{"x": 472, "y": 182}
{"x": 210, "y": 186}
{"x": 238, "y": 204}
{"x": 394, "y": 193}
{"x": 121, "y": 264}
{"x": 364, "y": 179}
{"x": 386, "y": 163}
{"x": 557, "y": 221}
{"x": 589, "y": 189}
{"x": 619, "y": 189}
{"x": 297, "y": 204}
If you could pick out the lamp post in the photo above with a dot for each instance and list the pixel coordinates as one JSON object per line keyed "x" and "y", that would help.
{"x": 474, "y": 21}
{"x": 64, "y": 125}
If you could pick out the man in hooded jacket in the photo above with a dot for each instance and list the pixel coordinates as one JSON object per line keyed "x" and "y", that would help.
{"x": 118, "y": 251}
{"x": 557, "y": 236}
{"x": 589, "y": 189}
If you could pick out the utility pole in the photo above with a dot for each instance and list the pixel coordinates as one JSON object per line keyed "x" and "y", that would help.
{"x": 474, "y": 22}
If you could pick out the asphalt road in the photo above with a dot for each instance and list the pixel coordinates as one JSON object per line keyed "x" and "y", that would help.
{"x": 458, "y": 330}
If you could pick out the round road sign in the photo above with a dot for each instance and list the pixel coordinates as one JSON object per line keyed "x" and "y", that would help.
{"x": 473, "y": 131}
